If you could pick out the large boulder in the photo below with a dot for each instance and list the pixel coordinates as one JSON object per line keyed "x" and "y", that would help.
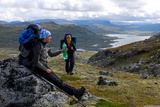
{"x": 19, "y": 87}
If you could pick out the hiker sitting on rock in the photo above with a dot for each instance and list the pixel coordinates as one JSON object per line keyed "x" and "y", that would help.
{"x": 39, "y": 64}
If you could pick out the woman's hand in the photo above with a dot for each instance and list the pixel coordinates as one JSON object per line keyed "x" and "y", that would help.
{"x": 72, "y": 48}
{"x": 48, "y": 71}
{"x": 61, "y": 51}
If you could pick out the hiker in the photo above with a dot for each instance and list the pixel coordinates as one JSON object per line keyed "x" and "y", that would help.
{"x": 39, "y": 65}
{"x": 69, "y": 61}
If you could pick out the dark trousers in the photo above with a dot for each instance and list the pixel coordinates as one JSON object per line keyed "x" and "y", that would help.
{"x": 69, "y": 64}
{"x": 53, "y": 78}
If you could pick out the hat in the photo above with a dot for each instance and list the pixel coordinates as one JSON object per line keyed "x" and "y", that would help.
{"x": 44, "y": 34}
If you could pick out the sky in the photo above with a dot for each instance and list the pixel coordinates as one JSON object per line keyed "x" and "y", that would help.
{"x": 113, "y": 10}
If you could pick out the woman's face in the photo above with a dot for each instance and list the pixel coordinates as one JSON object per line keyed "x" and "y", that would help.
{"x": 68, "y": 39}
{"x": 47, "y": 39}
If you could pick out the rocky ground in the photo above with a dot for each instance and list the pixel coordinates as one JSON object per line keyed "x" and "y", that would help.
{"x": 139, "y": 57}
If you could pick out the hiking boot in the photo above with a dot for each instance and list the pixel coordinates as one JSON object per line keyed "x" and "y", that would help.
{"x": 79, "y": 93}
{"x": 69, "y": 73}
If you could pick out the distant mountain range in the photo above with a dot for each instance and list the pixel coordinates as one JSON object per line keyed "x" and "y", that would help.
{"x": 61, "y": 22}
{"x": 89, "y": 32}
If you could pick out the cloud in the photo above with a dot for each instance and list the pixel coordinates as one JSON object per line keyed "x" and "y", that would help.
{"x": 114, "y": 10}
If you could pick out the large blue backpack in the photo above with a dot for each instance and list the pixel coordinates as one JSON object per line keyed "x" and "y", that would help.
{"x": 32, "y": 31}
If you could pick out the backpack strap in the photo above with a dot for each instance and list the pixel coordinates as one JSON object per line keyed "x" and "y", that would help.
{"x": 61, "y": 43}
{"x": 74, "y": 40}
{"x": 24, "y": 52}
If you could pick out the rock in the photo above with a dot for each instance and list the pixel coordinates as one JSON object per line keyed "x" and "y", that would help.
{"x": 144, "y": 75}
{"x": 53, "y": 99}
{"x": 105, "y": 81}
{"x": 88, "y": 97}
{"x": 154, "y": 70}
{"x": 106, "y": 73}
{"x": 132, "y": 68}
{"x": 87, "y": 100}
{"x": 1, "y": 62}
{"x": 158, "y": 76}
{"x": 19, "y": 87}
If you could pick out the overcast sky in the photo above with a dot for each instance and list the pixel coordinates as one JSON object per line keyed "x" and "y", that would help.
{"x": 112, "y": 10}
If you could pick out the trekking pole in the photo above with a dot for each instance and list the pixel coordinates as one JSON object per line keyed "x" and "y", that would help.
{"x": 59, "y": 89}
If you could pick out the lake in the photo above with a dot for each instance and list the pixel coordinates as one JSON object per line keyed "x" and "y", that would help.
{"x": 125, "y": 39}
{"x": 122, "y": 39}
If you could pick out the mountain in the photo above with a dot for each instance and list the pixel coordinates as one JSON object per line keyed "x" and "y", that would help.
{"x": 136, "y": 29}
{"x": 142, "y": 27}
{"x": 3, "y": 22}
{"x": 62, "y": 22}
{"x": 89, "y": 32}
{"x": 138, "y": 57}
{"x": 86, "y": 39}
{"x": 100, "y": 26}
{"x": 105, "y": 26}
{"x": 76, "y": 22}
{"x": 104, "y": 29}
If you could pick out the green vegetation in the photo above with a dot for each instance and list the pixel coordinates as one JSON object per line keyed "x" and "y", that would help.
{"x": 70, "y": 78}
{"x": 131, "y": 90}
{"x": 104, "y": 103}
{"x": 8, "y": 53}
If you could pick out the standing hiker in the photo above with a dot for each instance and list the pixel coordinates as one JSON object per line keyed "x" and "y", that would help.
{"x": 68, "y": 46}
{"x": 39, "y": 64}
